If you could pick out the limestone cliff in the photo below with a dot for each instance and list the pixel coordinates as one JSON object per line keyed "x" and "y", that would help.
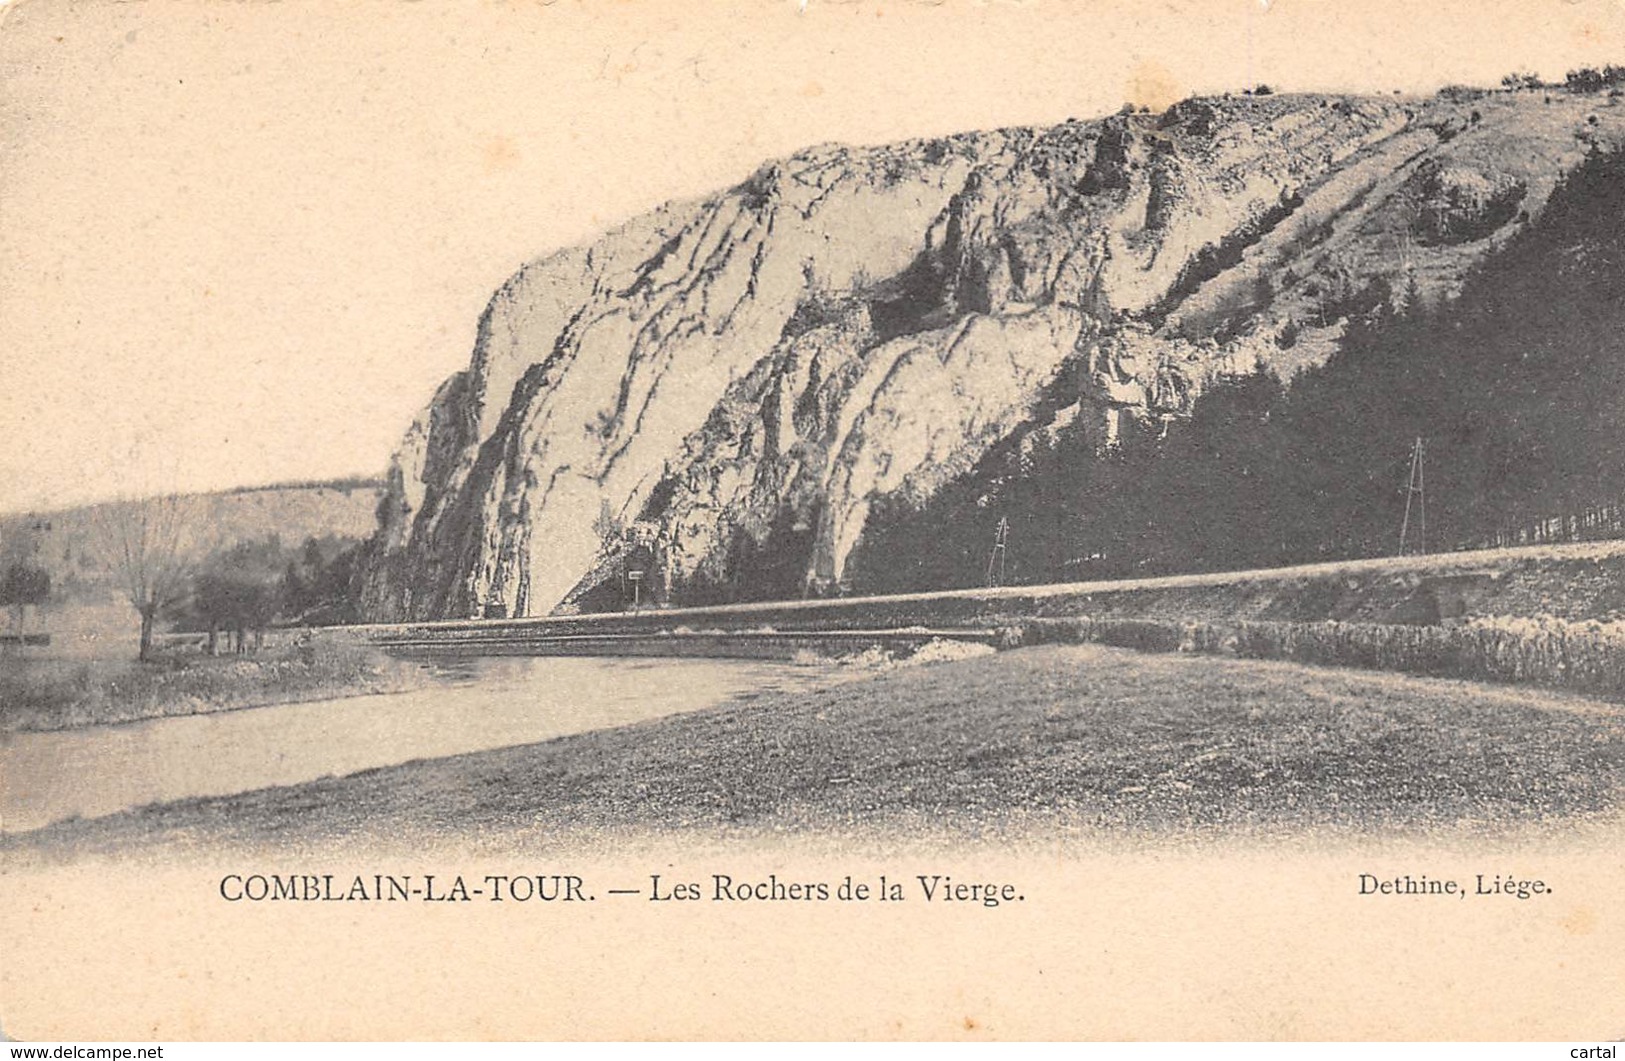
{"x": 745, "y": 375}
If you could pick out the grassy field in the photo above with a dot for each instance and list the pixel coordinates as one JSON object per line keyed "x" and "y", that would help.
{"x": 65, "y": 693}
{"x": 1039, "y": 744}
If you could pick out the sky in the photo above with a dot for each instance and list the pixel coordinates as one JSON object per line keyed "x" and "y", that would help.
{"x": 242, "y": 242}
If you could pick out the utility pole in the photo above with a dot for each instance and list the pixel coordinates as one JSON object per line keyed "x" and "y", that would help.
{"x": 1415, "y": 491}
{"x": 995, "y": 561}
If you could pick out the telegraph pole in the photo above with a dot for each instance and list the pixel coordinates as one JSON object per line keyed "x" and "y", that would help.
{"x": 1415, "y": 491}
{"x": 995, "y": 561}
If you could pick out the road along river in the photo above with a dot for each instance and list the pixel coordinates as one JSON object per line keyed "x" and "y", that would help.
{"x": 490, "y": 703}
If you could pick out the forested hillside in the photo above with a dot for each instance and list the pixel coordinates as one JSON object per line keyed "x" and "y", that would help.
{"x": 1516, "y": 386}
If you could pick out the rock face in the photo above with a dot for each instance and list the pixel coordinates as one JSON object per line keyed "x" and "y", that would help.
{"x": 742, "y": 377}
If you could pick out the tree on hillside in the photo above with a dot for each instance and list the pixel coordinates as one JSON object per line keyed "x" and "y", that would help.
{"x": 24, "y": 582}
{"x": 1516, "y": 383}
{"x": 152, "y": 545}
{"x": 23, "y": 586}
{"x": 316, "y": 583}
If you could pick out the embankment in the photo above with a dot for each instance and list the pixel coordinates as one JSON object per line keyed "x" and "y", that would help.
{"x": 1549, "y": 615}
{"x": 1574, "y": 582}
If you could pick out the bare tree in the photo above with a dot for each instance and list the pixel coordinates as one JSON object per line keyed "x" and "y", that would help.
{"x": 153, "y": 548}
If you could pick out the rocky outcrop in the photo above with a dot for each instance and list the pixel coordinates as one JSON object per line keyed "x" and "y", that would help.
{"x": 1459, "y": 203}
{"x": 749, "y": 373}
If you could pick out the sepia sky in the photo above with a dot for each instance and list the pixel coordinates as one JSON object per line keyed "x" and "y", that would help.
{"x": 241, "y": 242}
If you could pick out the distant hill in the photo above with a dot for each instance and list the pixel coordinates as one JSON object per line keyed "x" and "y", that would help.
{"x": 65, "y": 541}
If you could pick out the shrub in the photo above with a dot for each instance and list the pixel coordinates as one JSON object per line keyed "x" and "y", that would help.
{"x": 1591, "y": 79}
{"x": 1583, "y": 656}
{"x": 1587, "y": 656}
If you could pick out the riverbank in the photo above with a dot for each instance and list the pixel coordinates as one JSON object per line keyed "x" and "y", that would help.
{"x": 482, "y": 705}
{"x": 55, "y": 694}
{"x": 1080, "y": 743}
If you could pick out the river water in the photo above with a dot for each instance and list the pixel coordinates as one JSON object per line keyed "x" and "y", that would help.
{"x": 487, "y": 703}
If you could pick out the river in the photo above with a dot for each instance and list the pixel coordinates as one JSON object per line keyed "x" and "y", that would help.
{"x": 484, "y": 704}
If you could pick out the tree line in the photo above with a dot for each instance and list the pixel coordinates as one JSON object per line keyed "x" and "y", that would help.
{"x": 160, "y": 555}
{"x": 245, "y": 589}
